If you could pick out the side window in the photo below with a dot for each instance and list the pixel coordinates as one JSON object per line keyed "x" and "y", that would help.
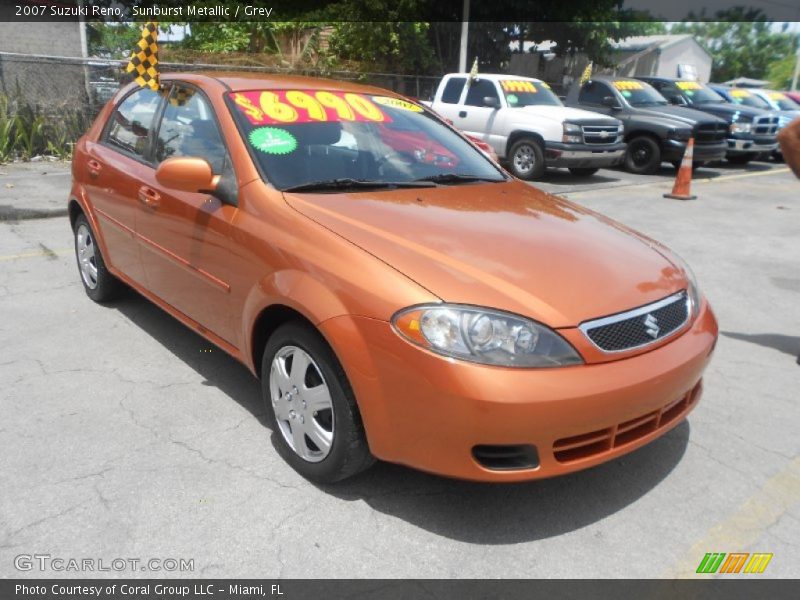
{"x": 593, "y": 92}
{"x": 668, "y": 90}
{"x": 188, "y": 128}
{"x": 452, "y": 90}
{"x": 131, "y": 122}
{"x": 479, "y": 90}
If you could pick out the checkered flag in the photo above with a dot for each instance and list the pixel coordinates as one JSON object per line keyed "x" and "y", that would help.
{"x": 181, "y": 96}
{"x": 144, "y": 58}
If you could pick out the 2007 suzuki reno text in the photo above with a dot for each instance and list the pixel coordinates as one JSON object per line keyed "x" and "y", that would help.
{"x": 398, "y": 294}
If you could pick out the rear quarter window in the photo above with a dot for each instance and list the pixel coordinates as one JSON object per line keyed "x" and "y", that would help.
{"x": 452, "y": 90}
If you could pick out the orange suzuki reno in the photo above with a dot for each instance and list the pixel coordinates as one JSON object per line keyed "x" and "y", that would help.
{"x": 398, "y": 294}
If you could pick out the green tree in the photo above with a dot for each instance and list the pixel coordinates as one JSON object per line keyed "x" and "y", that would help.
{"x": 741, "y": 42}
{"x": 112, "y": 40}
{"x": 780, "y": 72}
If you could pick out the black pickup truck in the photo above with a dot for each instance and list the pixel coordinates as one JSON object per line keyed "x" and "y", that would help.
{"x": 751, "y": 131}
{"x": 655, "y": 131}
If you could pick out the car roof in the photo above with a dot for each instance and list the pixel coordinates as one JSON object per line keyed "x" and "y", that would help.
{"x": 238, "y": 81}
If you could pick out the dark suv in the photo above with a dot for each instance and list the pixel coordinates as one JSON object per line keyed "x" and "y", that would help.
{"x": 654, "y": 130}
{"x": 751, "y": 130}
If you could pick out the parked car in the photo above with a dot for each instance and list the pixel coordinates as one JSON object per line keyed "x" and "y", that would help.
{"x": 438, "y": 314}
{"x": 751, "y": 131}
{"x": 655, "y": 131}
{"x": 794, "y": 96}
{"x": 527, "y": 125}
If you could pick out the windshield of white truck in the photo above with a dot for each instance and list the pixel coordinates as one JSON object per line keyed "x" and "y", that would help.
{"x": 521, "y": 92}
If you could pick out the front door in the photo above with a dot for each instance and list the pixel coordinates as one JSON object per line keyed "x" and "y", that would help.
{"x": 185, "y": 236}
{"x": 474, "y": 117}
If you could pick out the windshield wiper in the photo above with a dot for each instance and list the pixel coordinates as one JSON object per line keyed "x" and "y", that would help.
{"x": 348, "y": 183}
{"x": 456, "y": 178}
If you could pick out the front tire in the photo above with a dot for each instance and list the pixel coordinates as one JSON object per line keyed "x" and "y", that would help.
{"x": 526, "y": 159}
{"x": 643, "y": 156}
{"x": 583, "y": 171}
{"x": 311, "y": 407}
{"x": 100, "y": 285}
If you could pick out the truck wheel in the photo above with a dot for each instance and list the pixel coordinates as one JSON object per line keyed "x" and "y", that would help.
{"x": 583, "y": 171}
{"x": 740, "y": 159}
{"x": 643, "y": 156}
{"x": 311, "y": 407}
{"x": 526, "y": 159}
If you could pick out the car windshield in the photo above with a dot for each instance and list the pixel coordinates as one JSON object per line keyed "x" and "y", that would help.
{"x": 522, "y": 92}
{"x": 746, "y": 98}
{"x": 782, "y": 101}
{"x": 319, "y": 140}
{"x": 697, "y": 93}
{"x": 638, "y": 93}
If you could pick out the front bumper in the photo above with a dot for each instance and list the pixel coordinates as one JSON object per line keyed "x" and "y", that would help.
{"x": 583, "y": 155}
{"x": 430, "y": 412}
{"x": 751, "y": 146}
{"x": 673, "y": 150}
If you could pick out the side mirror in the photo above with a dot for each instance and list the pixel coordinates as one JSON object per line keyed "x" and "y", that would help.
{"x": 611, "y": 102}
{"x": 491, "y": 101}
{"x": 188, "y": 174}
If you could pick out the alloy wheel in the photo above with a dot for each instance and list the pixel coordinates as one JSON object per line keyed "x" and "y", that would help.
{"x": 86, "y": 256}
{"x": 301, "y": 401}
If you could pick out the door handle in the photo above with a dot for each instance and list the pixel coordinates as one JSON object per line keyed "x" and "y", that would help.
{"x": 149, "y": 197}
{"x": 94, "y": 167}
{"x": 462, "y": 114}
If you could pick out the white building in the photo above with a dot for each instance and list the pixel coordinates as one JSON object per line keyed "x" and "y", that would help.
{"x": 662, "y": 56}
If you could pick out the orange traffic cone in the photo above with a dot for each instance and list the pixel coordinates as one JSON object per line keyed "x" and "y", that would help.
{"x": 683, "y": 182}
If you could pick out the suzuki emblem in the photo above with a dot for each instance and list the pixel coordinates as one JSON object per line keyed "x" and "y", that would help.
{"x": 651, "y": 326}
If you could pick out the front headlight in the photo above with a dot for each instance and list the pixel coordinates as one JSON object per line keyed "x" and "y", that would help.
{"x": 573, "y": 134}
{"x": 694, "y": 291}
{"x": 682, "y": 135}
{"x": 740, "y": 127}
{"x": 484, "y": 336}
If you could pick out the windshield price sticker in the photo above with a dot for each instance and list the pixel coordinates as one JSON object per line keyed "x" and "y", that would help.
{"x": 628, "y": 85}
{"x": 513, "y": 85}
{"x": 272, "y": 140}
{"x": 397, "y": 103}
{"x": 777, "y": 95}
{"x": 740, "y": 94}
{"x": 288, "y": 107}
{"x": 688, "y": 85}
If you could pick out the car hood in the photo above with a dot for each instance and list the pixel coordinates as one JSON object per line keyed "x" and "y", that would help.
{"x": 565, "y": 113}
{"x": 505, "y": 245}
{"x": 688, "y": 116}
{"x": 728, "y": 108}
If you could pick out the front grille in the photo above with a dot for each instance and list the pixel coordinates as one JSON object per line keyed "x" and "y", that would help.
{"x": 710, "y": 133}
{"x": 600, "y": 134}
{"x": 639, "y": 327}
{"x": 765, "y": 125}
{"x": 587, "y": 445}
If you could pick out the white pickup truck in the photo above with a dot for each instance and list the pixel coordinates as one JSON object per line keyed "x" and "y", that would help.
{"x": 527, "y": 125}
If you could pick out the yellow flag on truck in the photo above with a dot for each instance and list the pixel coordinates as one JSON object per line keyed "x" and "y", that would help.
{"x": 587, "y": 73}
{"x": 144, "y": 58}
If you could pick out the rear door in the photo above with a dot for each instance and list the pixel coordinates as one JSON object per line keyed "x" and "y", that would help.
{"x": 185, "y": 236}
{"x": 474, "y": 117}
{"x": 116, "y": 164}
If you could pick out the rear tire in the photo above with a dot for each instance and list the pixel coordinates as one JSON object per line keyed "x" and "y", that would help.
{"x": 100, "y": 285}
{"x": 526, "y": 159}
{"x": 312, "y": 412}
{"x": 643, "y": 156}
{"x": 583, "y": 171}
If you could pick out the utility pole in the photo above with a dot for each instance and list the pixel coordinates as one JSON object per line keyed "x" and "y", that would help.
{"x": 462, "y": 53}
{"x": 796, "y": 68}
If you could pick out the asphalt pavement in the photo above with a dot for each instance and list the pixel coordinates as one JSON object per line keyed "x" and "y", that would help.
{"x": 125, "y": 435}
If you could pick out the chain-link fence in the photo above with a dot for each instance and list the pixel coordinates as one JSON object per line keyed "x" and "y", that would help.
{"x": 47, "y": 102}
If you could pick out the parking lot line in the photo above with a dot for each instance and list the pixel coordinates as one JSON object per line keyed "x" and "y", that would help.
{"x": 48, "y": 253}
{"x": 742, "y": 175}
{"x": 748, "y": 524}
